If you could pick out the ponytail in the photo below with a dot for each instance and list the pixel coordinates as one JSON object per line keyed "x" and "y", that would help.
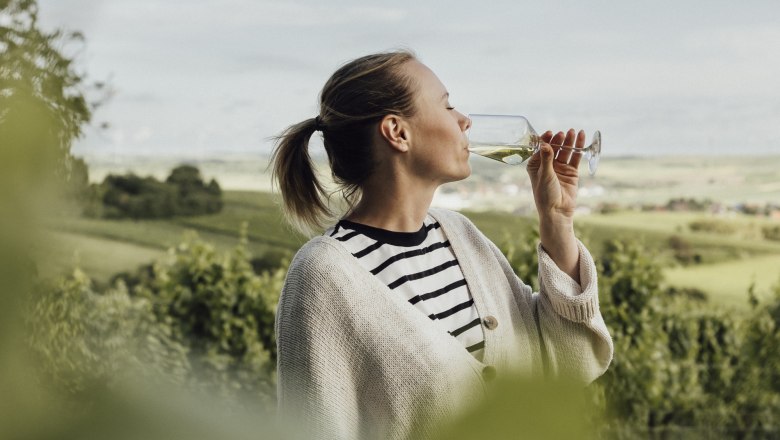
{"x": 304, "y": 197}
{"x": 353, "y": 101}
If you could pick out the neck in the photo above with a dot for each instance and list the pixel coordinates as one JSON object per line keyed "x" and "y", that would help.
{"x": 394, "y": 204}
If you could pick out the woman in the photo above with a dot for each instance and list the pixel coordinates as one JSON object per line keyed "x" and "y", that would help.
{"x": 399, "y": 314}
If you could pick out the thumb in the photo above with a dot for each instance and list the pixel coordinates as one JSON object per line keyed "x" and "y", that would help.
{"x": 546, "y": 168}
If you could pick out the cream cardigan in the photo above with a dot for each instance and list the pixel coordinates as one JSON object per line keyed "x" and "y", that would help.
{"x": 356, "y": 361}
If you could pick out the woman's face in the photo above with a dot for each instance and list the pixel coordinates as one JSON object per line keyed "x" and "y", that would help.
{"x": 438, "y": 143}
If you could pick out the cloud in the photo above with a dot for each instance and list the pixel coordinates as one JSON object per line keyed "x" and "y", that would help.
{"x": 142, "y": 134}
{"x": 746, "y": 41}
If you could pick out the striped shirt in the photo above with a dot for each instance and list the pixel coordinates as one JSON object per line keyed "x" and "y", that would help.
{"x": 421, "y": 267}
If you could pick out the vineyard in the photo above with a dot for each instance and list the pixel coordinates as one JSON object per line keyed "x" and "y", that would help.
{"x": 685, "y": 362}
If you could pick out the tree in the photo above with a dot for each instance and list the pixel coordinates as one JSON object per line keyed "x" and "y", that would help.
{"x": 43, "y": 109}
{"x": 42, "y": 105}
{"x": 182, "y": 193}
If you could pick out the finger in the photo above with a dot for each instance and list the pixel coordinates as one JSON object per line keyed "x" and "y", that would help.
{"x": 535, "y": 161}
{"x": 570, "y": 135}
{"x": 566, "y": 154}
{"x": 580, "y": 143}
{"x": 557, "y": 140}
{"x": 580, "y": 139}
{"x": 546, "y": 170}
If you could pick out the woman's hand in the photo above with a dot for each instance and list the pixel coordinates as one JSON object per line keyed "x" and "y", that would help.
{"x": 554, "y": 182}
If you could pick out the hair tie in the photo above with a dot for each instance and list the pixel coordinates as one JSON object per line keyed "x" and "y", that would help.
{"x": 318, "y": 126}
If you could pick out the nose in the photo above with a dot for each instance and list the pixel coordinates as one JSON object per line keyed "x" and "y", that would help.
{"x": 466, "y": 122}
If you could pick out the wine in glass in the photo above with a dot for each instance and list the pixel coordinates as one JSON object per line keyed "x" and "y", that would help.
{"x": 512, "y": 139}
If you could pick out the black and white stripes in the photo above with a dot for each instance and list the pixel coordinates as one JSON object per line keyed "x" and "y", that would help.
{"x": 422, "y": 268}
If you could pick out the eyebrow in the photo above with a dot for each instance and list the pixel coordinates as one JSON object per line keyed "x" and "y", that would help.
{"x": 446, "y": 95}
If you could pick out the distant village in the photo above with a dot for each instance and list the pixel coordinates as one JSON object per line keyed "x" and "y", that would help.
{"x": 499, "y": 189}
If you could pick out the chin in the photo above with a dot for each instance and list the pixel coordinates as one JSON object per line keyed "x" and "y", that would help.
{"x": 464, "y": 173}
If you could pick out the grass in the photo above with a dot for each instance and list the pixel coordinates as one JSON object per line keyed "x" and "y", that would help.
{"x": 97, "y": 256}
{"x": 729, "y": 261}
{"x": 656, "y": 228}
{"x": 106, "y": 247}
{"x": 727, "y": 283}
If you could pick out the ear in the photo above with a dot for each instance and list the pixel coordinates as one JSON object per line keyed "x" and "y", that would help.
{"x": 395, "y": 132}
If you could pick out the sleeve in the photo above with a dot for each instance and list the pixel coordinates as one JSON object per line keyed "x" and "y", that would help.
{"x": 315, "y": 388}
{"x": 575, "y": 341}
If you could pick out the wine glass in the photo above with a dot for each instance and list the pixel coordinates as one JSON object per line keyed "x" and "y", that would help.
{"x": 511, "y": 139}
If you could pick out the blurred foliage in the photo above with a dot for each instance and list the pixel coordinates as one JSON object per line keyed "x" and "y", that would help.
{"x": 522, "y": 256}
{"x": 79, "y": 363}
{"x": 200, "y": 319}
{"x": 184, "y": 193}
{"x": 223, "y": 312}
{"x": 82, "y": 339}
{"x": 519, "y": 407}
{"x": 771, "y": 232}
{"x": 683, "y": 250}
{"x": 680, "y": 370}
{"x": 688, "y": 204}
{"x": 43, "y": 106}
{"x": 42, "y": 110}
{"x": 713, "y": 226}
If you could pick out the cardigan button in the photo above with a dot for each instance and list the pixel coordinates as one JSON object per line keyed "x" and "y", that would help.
{"x": 490, "y": 322}
{"x": 489, "y": 373}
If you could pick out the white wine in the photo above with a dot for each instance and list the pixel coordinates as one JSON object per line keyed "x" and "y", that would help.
{"x": 511, "y": 139}
{"x": 513, "y": 154}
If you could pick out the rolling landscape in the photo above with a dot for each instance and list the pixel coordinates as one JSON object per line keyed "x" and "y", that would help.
{"x": 626, "y": 200}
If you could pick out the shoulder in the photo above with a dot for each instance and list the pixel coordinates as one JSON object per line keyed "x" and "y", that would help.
{"x": 316, "y": 248}
{"x": 319, "y": 256}
{"x": 317, "y": 286}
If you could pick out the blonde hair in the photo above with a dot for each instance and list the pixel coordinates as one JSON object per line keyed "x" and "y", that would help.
{"x": 353, "y": 101}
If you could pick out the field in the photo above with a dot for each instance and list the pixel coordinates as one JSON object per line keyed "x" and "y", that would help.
{"x": 728, "y": 263}
{"x": 102, "y": 248}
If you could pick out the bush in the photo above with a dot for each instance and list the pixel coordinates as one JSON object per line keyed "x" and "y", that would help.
{"x": 183, "y": 193}
{"x": 677, "y": 367}
{"x": 206, "y": 320}
{"x": 713, "y": 226}
{"x": 223, "y": 312}
{"x": 683, "y": 251}
{"x": 85, "y": 340}
{"x": 522, "y": 256}
{"x": 201, "y": 318}
{"x": 771, "y": 232}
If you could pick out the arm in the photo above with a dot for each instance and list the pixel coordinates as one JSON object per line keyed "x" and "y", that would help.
{"x": 554, "y": 182}
{"x": 574, "y": 337}
{"x": 315, "y": 387}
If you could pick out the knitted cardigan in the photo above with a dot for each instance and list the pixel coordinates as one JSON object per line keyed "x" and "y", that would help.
{"x": 357, "y": 361}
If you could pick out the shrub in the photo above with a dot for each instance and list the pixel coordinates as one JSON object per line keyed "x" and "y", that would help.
{"x": 85, "y": 340}
{"x": 771, "y": 232}
{"x": 522, "y": 256}
{"x": 183, "y": 193}
{"x": 222, "y": 312}
{"x": 683, "y": 251}
{"x": 201, "y": 318}
{"x": 713, "y": 226}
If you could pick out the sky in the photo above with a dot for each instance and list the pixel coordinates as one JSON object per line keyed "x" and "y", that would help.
{"x": 209, "y": 78}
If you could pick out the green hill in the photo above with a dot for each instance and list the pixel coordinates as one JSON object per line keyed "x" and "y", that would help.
{"x": 728, "y": 262}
